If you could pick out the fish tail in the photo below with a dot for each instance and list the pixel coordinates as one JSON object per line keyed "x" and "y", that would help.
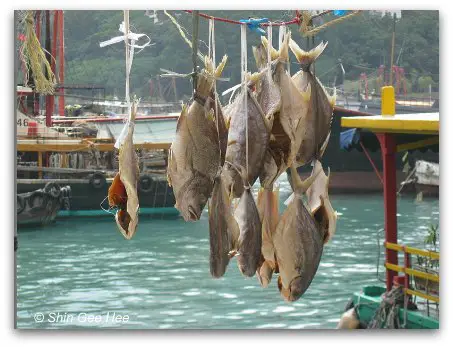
{"x": 300, "y": 187}
{"x": 221, "y": 66}
{"x": 274, "y": 53}
{"x": 304, "y": 58}
{"x": 283, "y": 52}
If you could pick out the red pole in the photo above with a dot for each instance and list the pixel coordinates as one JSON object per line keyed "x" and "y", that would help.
{"x": 388, "y": 148}
{"x": 54, "y": 42}
{"x": 38, "y": 35}
{"x": 61, "y": 60}
{"x": 49, "y": 98}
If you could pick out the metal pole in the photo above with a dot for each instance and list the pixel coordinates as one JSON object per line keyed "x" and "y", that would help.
{"x": 392, "y": 50}
{"x": 388, "y": 148}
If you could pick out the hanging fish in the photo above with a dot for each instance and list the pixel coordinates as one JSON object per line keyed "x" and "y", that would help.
{"x": 316, "y": 125}
{"x": 298, "y": 243}
{"x": 294, "y": 102}
{"x": 250, "y": 238}
{"x": 268, "y": 201}
{"x": 319, "y": 203}
{"x": 258, "y": 140}
{"x": 223, "y": 229}
{"x": 194, "y": 157}
{"x": 123, "y": 191}
{"x": 267, "y": 92}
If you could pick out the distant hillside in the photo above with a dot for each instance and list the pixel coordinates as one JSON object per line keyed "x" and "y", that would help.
{"x": 361, "y": 42}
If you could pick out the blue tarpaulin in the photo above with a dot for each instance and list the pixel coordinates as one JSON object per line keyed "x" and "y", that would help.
{"x": 350, "y": 139}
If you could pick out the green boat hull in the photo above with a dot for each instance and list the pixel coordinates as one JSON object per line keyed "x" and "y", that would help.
{"x": 368, "y": 301}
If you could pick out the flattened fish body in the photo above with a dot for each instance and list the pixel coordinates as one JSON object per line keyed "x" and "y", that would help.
{"x": 223, "y": 230}
{"x": 222, "y": 128}
{"x": 298, "y": 242}
{"x": 315, "y": 127}
{"x": 298, "y": 247}
{"x": 268, "y": 210}
{"x": 250, "y": 237}
{"x": 294, "y": 103}
{"x": 128, "y": 173}
{"x": 194, "y": 157}
{"x": 258, "y": 136}
{"x": 193, "y": 161}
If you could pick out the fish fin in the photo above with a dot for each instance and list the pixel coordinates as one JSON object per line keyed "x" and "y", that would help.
{"x": 324, "y": 145}
{"x": 300, "y": 186}
{"x": 306, "y": 58}
{"x": 332, "y": 217}
{"x": 274, "y": 52}
{"x": 254, "y": 77}
{"x": 306, "y": 95}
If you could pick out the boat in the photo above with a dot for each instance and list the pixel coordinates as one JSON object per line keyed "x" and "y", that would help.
{"x": 410, "y": 298}
{"x": 40, "y": 206}
{"x": 74, "y": 144}
{"x": 88, "y": 164}
{"x": 423, "y": 180}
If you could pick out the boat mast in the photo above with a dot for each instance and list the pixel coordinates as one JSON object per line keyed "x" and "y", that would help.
{"x": 392, "y": 50}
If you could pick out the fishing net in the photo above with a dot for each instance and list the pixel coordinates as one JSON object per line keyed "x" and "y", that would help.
{"x": 34, "y": 58}
{"x": 387, "y": 315}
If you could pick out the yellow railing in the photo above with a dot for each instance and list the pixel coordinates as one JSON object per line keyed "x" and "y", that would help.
{"x": 416, "y": 273}
{"x": 412, "y": 250}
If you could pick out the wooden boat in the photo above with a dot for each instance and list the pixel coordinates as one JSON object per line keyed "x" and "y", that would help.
{"x": 40, "y": 206}
{"x": 397, "y": 302}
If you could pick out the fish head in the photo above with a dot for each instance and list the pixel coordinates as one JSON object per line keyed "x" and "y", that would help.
{"x": 296, "y": 288}
{"x": 194, "y": 197}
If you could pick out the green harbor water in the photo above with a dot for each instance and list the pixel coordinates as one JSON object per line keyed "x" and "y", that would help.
{"x": 82, "y": 273}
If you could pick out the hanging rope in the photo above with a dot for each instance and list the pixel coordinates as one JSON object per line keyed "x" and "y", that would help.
{"x": 281, "y": 34}
{"x": 211, "y": 43}
{"x": 269, "y": 58}
{"x": 245, "y": 91}
{"x": 128, "y": 63}
{"x": 35, "y": 58}
{"x": 306, "y": 27}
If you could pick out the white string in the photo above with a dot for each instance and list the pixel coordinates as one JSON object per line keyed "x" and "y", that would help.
{"x": 126, "y": 33}
{"x": 244, "y": 90}
{"x": 269, "y": 57}
{"x": 281, "y": 34}
{"x": 212, "y": 53}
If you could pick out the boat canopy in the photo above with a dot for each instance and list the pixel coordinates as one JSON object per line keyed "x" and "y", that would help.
{"x": 418, "y": 131}
{"x": 356, "y": 138}
{"x": 151, "y": 131}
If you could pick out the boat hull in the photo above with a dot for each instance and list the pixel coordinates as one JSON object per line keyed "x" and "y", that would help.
{"x": 89, "y": 197}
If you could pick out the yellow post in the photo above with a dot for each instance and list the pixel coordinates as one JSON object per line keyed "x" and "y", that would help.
{"x": 40, "y": 164}
{"x": 388, "y": 101}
